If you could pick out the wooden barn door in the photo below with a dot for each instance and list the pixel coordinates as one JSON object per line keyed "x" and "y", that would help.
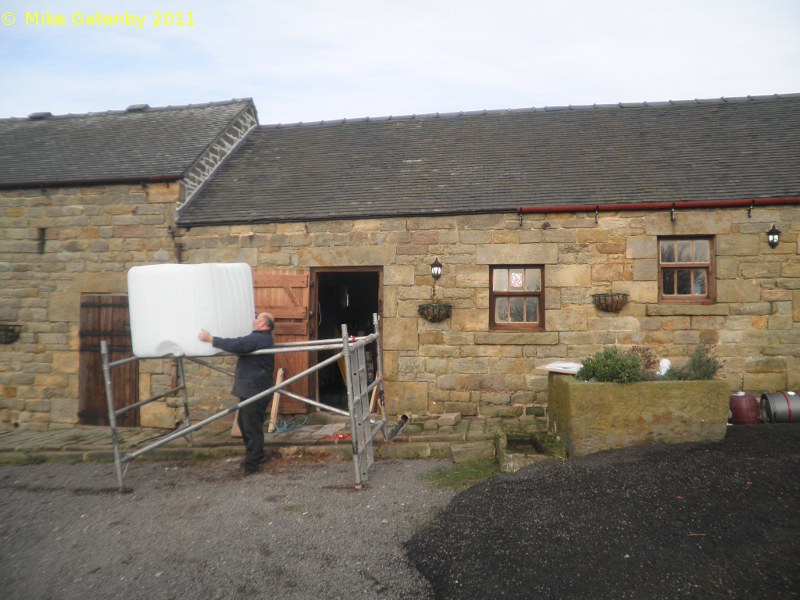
{"x": 105, "y": 317}
{"x": 284, "y": 293}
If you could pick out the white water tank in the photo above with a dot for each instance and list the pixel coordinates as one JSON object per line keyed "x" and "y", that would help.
{"x": 170, "y": 304}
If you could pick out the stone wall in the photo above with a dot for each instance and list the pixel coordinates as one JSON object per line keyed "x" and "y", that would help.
{"x": 56, "y": 244}
{"x": 92, "y": 236}
{"x": 460, "y": 365}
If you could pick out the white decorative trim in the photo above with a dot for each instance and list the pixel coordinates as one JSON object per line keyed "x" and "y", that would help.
{"x": 210, "y": 160}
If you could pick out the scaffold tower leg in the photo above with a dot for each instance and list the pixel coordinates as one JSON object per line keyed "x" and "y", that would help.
{"x": 112, "y": 419}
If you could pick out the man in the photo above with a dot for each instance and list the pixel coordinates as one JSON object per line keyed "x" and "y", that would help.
{"x": 253, "y": 376}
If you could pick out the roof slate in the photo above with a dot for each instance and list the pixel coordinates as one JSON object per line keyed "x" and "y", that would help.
{"x": 497, "y": 161}
{"x": 138, "y": 144}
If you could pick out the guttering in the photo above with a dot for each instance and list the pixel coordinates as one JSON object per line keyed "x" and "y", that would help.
{"x": 595, "y": 208}
{"x": 44, "y": 184}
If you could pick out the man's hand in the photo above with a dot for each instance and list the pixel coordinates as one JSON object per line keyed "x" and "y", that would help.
{"x": 204, "y": 336}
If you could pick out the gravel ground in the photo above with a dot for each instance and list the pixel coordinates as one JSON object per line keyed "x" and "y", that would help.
{"x": 650, "y": 522}
{"x": 297, "y": 530}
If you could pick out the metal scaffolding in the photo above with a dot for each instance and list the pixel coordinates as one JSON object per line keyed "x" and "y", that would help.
{"x": 363, "y": 426}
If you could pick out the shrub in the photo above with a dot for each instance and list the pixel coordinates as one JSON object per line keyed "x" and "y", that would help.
{"x": 647, "y": 358}
{"x": 701, "y": 365}
{"x": 612, "y": 365}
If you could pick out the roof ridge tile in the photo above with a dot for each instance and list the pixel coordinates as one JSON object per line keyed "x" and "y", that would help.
{"x": 124, "y": 111}
{"x": 546, "y": 108}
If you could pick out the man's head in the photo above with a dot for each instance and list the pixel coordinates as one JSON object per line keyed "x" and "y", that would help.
{"x": 264, "y": 322}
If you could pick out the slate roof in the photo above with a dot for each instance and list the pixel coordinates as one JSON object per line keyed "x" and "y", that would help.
{"x": 136, "y": 144}
{"x": 497, "y": 161}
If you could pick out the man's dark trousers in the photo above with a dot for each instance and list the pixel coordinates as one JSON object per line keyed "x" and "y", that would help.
{"x": 253, "y": 376}
{"x": 251, "y": 424}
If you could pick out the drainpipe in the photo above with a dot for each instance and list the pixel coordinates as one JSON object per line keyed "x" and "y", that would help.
{"x": 178, "y": 247}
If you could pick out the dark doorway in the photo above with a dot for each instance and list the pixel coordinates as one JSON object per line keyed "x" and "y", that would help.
{"x": 343, "y": 296}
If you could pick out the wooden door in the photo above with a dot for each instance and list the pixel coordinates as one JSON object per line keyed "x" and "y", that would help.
{"x": 106, "y": 317}
{"x": 285, "y": 294}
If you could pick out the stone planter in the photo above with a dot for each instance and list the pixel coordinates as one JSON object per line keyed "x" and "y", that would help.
{"x": 590, "y": 416}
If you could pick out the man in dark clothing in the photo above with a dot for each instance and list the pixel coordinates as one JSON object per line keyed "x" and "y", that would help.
{"x": 253, "y": 376}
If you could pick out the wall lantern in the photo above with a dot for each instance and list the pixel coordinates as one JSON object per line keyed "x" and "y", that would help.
{"x": 436, "y": 268}
{"x": 435, "y": 311}
{"x": 773, "y": 236}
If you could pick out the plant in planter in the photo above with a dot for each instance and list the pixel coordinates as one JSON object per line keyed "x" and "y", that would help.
{"x": 616, "y": 365}
{"x": 616, "y": 399}
{"x": 648, "y": 360}
{"x": 613, "y": 365}
{"x": 702, "y": 365}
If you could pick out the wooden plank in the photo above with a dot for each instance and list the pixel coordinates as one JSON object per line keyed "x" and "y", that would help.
{"x": 276, "y": 400}
{"x": 291, "y": 329}
{"x": 275, "y": 278}
{"x": 288, "y": 312}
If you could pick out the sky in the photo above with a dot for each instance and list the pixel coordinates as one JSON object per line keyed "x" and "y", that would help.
{"x": 320, "y": 60}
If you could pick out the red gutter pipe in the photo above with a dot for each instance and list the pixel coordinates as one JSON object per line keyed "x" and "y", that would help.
{"x": 657, "y": 205}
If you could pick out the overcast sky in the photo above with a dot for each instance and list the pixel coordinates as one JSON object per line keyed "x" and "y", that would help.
{"x": 312, "y": 60}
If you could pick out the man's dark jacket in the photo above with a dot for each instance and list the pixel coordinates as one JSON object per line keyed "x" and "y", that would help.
{"x": 253, "y": 371}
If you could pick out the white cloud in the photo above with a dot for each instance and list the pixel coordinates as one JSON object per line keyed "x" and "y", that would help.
{"x": 310, "y": 60}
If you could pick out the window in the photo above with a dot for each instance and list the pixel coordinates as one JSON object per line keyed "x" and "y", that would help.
{"x": 517, "y": 297}
{"x": 685, "y": 269}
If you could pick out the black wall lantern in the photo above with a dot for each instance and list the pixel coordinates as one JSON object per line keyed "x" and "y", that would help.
{"x": 773, "y": 236}
{"x": 436, "y": 269}
{"x": 435, "y": 311}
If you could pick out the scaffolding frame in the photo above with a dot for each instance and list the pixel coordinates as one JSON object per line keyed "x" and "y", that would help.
{"x": 363, "y": 426}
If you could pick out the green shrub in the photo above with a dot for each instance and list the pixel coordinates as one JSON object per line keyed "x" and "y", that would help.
{"x": 613, "y": 365}
{"x": 701, "y": 365}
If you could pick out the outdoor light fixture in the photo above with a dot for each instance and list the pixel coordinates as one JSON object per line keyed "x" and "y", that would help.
{"x": 436, "y": 269}
{"x": 773, "y": 236}
{"x": 435, "y": 311}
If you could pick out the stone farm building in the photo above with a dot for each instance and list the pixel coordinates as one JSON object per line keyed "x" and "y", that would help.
{"x": 531, "y": 212}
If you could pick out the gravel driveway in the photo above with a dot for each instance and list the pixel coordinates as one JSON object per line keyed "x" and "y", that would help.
{"x": 699, "y": 521}
{"x": 298, "y": 530}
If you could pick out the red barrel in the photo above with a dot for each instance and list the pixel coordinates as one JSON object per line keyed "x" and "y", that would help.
{"x": 744, "y": 409}
{"x": 781, "y": 407}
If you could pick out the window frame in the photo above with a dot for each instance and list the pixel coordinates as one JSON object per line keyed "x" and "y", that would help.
{"x": 711, "y": 288}
{"x": 493, "y": 295}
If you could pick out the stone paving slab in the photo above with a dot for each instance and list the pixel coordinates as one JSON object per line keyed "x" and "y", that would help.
{"x": 329, "y": 430}
{"x": 95, "y": 444}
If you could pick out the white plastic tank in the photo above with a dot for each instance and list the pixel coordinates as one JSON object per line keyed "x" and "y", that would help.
{"x": 170, "y": 304}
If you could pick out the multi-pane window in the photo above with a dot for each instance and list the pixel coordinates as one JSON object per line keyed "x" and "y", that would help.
{"x": 517, "y": 297}
{"x": 686, "y": 269}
